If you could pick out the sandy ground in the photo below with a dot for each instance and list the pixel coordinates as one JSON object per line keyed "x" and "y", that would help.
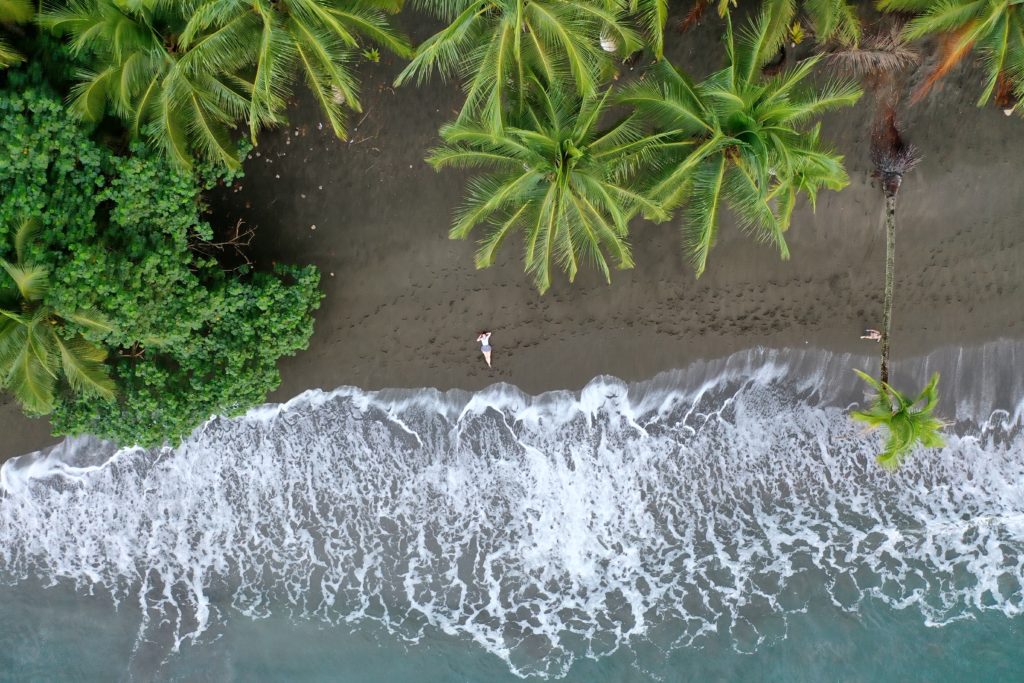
{"x": 404, "y": 303}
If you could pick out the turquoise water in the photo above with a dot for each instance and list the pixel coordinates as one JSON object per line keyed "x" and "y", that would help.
{"x": 725, "y": 522}
{"x": 56, "y": 635}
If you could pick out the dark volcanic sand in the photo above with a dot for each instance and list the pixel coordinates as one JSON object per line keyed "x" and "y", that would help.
{"x": 404, "y": 303}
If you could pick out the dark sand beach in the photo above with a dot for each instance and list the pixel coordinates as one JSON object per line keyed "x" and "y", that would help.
{"x": 403, "y": 303}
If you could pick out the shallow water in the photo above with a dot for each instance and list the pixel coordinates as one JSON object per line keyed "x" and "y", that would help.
{"x": 724, "y": 522}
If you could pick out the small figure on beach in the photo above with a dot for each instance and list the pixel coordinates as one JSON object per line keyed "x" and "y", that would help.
{"x": 873, "y": 335}
{"x": 485, "y": 346}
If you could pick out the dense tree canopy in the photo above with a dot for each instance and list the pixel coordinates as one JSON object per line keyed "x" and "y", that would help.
{"x": 121, "y": 236}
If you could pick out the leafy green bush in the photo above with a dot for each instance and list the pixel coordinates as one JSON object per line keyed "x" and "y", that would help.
{"x": 119, "y": 235}
{"x": 50, "y": 169}
{"x": 224, "y": 367}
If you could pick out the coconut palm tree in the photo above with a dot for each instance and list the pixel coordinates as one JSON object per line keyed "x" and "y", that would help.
{"x": 36, "y": 345}
{"x": 738, "y": 139}
{"x": 13, "y": 12}
{"x": 831, "y": 20}
{"x": 994, "y": 27}
{"x": 909, "y": 421}
{"x": 892, "y": 160}
{"x": 183, "y": 73}
{"x": 908, "y": 426}
{"x": 141, "y": 73}
{"x": 279, "y": 37}
{"x": 499, "y": 48}
{"x": 556, "y": 177}
{"x": 651, "y": 15}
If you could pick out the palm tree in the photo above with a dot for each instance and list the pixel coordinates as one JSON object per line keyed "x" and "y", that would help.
{"x": 316, "y": 37}
{"x": 183, "y": 73}
{"x": 13, "y": 12}
{"x": 831, "y": 20}
{"x": 556, "y": 177}
{"x": 499, "y": 48}
{"x": 36, "y": 346}
{"x": 908, "y": 425}
{"x": 892, "y": 160}
{"x": 995, "y": 27}
{"x": 142, "y": 74}
{"x": 738, "y": 139}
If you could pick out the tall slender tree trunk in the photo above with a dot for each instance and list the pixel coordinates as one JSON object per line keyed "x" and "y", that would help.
{"x": 890, "y": 265}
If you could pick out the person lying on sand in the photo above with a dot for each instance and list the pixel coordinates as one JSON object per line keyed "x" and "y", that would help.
{"x": 485, "y": 346}
{"x": 873, "y": 335}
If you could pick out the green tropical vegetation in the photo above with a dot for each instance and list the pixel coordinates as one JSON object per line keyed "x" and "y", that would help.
{"x": 38, "y": 343}
{"x": 556, "y": 176}
{"x": 182, "y": 74}
{"x": 992, "y": 28}
{"x": 908, "y": 426}
{"x": 830, "y": 20}
{"x": 738, "y": 139}
{"x": 122, "y": 316}
{"x": 909, "y": 421}
{"x": 500, "y": 48}
{"x": 13, "y": 12}
{"x": 153, "y": 334}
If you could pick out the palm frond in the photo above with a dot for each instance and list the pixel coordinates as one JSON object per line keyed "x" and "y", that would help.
{"x": 9, "y": 56}
{"x": 83, "y": 367}
{"x": 32, "y": 281}
{"x": 909, "y": 422}
{"x": 16, "y": 11}
{"x": 700, "y": 226}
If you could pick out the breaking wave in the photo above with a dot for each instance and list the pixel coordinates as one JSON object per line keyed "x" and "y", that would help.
{"x": 721, "y": 498}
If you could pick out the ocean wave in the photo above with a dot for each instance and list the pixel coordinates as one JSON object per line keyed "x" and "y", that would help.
{"x": 724, "y": 497}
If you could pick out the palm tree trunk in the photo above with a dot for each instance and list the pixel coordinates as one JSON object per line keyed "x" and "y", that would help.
{"x": 890, "y": 264}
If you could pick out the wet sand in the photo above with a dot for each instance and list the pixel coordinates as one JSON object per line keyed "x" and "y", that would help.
{"x": 404, "y": 303}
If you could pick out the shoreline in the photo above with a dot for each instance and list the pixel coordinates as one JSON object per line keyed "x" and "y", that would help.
{"x": 964, "y": 368}
{"x": 404, "y": 303}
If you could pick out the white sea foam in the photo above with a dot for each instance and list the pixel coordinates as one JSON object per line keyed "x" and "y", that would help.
{"x": 729, "y": 495}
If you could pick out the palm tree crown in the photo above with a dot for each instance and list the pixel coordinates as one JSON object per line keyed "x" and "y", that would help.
{"x": 184, "y": 72}
{"x": 13, "y": 12}
{"x": 499, "y": 48}
{"x": 276, "y": 36}
{"x": 555, "y": 176}
{"x": 994, "y": 27}
{"x": 738, "y": 139}
{"x": 35, "y": 344}
{"x": 909, "y": 421}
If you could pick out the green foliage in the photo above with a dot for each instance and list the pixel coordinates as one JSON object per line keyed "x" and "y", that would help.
{"x": 796, "y": 33}
{"x": 38, "y": 344}
{"x": 183, "y": 74}
{"x": 121, "y": 237}
{"x": 50, "y": 169}
{"x": 909, "y": 421}
{"x": 13, "y": 12}
{"x": 738, "y": 139}
{"x": 501, "y": 48}
{"x": 227, "y": 365}
{"x": 555, "y": 176}
{"x": 993, "y": 27}
{"x": 651, "y": 16}
{"x": 833, "y": 21}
